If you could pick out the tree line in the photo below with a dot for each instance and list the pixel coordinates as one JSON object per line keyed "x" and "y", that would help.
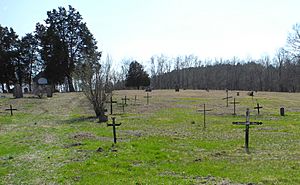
{"x": 281, "y": 73}
{"x": 62, "y": 46}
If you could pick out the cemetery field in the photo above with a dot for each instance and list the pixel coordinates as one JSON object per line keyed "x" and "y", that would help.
{"x": 58, "y": 141}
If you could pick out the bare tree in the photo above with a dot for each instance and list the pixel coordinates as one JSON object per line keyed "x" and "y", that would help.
{"x": 177, "y": 68}
{"x": 124, "y": 71}
{"x": 292, "y": 65}
{"x": 93, "y": 77}
{"x": 115, "y": 77}
{"x": 293, "y": 41}
{"x": 153, "y": 72}
{"x": 106, "y": 70}
{"x": 161, "y": 69}
{"x": 280, "y": 58}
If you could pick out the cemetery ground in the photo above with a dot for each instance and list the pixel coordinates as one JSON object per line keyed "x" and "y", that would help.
{"x": 58, "y": 141}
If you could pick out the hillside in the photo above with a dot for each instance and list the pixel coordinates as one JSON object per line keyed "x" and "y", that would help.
{"x": 58, "y": 140}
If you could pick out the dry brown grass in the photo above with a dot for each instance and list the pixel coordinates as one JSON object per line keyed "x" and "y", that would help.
{"x": 161, "y": 99}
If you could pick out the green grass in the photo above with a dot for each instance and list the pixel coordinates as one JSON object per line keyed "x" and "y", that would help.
{"x": 55, "y": 141}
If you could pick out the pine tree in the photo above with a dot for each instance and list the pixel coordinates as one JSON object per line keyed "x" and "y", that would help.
{"x": 8, "y": 55}
{"x": 136, "y": 76}
{"x": 29, "y": 57}
{"x": 64, "y": 41}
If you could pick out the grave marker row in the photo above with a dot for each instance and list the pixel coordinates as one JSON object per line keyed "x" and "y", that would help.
{"x": 247, "y": 123}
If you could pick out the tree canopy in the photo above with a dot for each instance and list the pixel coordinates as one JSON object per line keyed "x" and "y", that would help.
{"x": 8, "y": 55}
{"x": 64, "y": 41}
{"x": 136, "y": 76}
{"x": 28, "y": 51}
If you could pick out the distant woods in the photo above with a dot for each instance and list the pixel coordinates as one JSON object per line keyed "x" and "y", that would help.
{"x": 281, "y": 73}
{"x": 62, "y": 46}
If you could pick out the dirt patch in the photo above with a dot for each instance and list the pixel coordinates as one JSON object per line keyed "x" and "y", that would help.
{"x": 131, "y": 132}
{"x": 267, "y": 129}
{"x": 219, "y": 154}
{"x": 87, "y": 135}
{"x": 202, "y": 180}
{"x": 83, "y": 135}
{"x": 73, "y": 145}
{"x": 49, "y": 138}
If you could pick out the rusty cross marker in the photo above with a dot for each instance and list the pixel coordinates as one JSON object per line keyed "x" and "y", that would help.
{"x": 204, "y": 113}
{"x": 234, "y": 103}
{"x": 147, "y": 98}
{"x": 247, "y": 123}
{"x": 227, "y": 97}
{"x": 135, "y": 98}
{"x": 258, "y": 107}
{"x": 11, "y": 110}
{"x": 111, "y": 104}
{"x": 124, "y": 103}
{"x": 125, "y": 100}
{"x": 114, "y": 125}
{"x": 123, "y": 106}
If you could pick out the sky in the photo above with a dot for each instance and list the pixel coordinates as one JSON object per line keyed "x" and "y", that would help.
{"x": 139, "y": 29}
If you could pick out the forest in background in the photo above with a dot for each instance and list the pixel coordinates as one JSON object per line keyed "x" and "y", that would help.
{"x": 63, "y": 45}
{"x": 282, "y": 73}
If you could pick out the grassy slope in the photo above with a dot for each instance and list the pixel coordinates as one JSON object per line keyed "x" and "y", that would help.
{"x": 50, "y": 141}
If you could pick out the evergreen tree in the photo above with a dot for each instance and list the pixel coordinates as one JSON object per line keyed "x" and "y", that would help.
{"x": 29, "y": 57}
{"x": 8, "y": 55}
{"x": 64, "y": 40}
{"x": 52, "y": 55}
{"x": 136, "y": 76}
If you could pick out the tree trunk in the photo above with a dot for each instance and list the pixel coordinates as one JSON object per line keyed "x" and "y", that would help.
{"x": 20, "y": 82}
{"x": 8, "y": 88}
{"x": 100, "y": 114}
{"x": 30, "y": 88}
{"x": 70, "y": 83}
{"x": 30, "y": 78}
{"x": 3, "y": 90}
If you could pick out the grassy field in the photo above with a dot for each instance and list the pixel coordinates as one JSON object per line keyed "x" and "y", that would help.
{"x": 58, "y": 141}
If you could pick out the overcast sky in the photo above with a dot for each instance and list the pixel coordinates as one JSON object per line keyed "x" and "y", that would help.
{"x": 138, "y": 29}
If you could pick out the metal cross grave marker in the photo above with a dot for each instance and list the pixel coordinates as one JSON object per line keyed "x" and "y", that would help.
{"x": 204, "y": 113}
{"x": 226, "y": 98}
{"x": 111, "y": 104}
{"x": 247, "y": 123}
{"x": 135, "y": 98}
{"x": 234, "y": 103}
{"x": 258, "y": 107}
{"x": 125, "y": 100}
{"x": 147, "y": 98}
{"x": 11, "y": 110}
{"x": 114, "y": 125}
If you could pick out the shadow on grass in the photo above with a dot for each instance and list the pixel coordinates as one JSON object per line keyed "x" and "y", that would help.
{"x": 80, "y": 119}
{"x": 34, "y": 97}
